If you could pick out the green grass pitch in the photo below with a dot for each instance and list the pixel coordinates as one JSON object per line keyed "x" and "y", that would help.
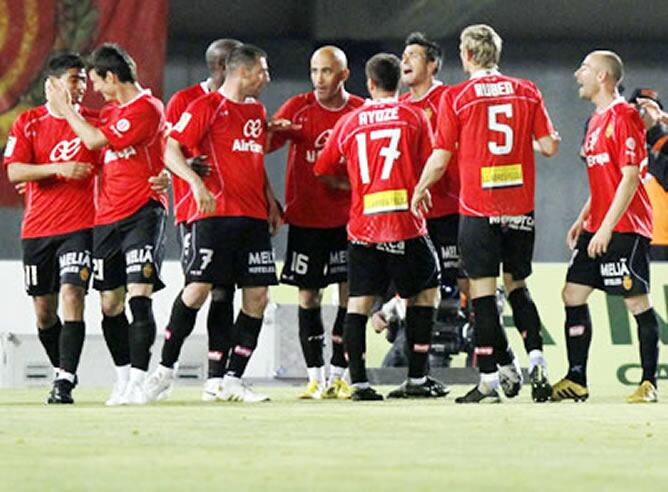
{"x": 184, "y": 444}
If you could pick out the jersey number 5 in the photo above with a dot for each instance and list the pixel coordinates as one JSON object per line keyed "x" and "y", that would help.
{"x": 390, "y": 151}
{"x": 494, "y": 125}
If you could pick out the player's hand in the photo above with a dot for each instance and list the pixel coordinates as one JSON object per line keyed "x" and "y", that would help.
{"x": 650, "y": 112}
{"x": 21, "y": 187}
{"x": 573, "y": 234}
{"x": 275, "y": 218}
{"x": 57, "y": 95}
{"x": 74, "y": 170}
{"x": 200, "y": 165}
{"x": 206, "y": 202}
{"x": 378, "y": 322}
{"x": 282, "y": 125}
{"x": 160, "y": 183}
{"x": 599, "y": 243}
{"x": 421, "y": 203}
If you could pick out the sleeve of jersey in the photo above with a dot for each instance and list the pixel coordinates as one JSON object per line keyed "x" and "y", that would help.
{"x": 193, "y": 124}
{"x": 447, "y": 126}
{"x": 174, "y": 109}
{"x": 135, "y": 126}
{"x": 287, "y": 112}
{"x": 542, "y": 125}
{"x": 19, "y": 147}
{"x": 630, "y": 140}
{"x": 330, "y": 157}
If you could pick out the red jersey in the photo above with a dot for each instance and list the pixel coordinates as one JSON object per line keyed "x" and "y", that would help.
{"x": 385, "y": 145}
{"x": 491, "y": 121}
{"x": 445, "y": 192}
{"x": 175, "y": 107}
{"x": 135, "y": 131}
{"x": 232, "y": 135}
{"x": 308, "y": 201}
{"x": 616, "y": 138}
{"x": 53, "y": 205}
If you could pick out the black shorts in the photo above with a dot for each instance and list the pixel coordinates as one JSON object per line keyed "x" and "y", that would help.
{"x": 622, "y": 271}
{"x": 486, "y": 242}
{"x": 316, "y": 257}
{"x": 131, "y": 250}
{"x": 49, "y": 262}
{"x": 183, "y": 238}
{"x": 411, "y": 265}
{"x": 443, "y": 232}
{"x": 231, "y": 251}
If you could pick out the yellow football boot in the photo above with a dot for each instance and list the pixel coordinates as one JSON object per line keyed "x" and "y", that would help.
{"x": 645, "y": 393}
{"x": 569, "y": 390}
{"x": 313, "y": 391}
{"x": 338, "y": 389}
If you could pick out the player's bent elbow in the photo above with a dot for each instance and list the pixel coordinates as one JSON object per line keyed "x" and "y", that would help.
{"x": 14, "y": 175}
{"x": 549, "y": 146}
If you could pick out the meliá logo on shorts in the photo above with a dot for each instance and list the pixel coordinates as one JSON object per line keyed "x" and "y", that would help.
{"x": 65, "y": 150}
{"x": 252, "y": 130}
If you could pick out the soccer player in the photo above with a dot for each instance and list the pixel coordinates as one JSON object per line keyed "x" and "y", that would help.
{"x": 317, "y": 215}
{"x": 44, "y": 152}
{"x": 420, "y": 63}
{"x": 491, "y": 122}
{"x": 231, "y": 245}
{"x": 610, "y": 238}
{"x": 385, "y": 144}
{"x": 128, "y": 238}
{"x": 220, "y": 319}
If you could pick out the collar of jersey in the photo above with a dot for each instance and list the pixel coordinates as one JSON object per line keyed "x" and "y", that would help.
{"x": 384, "y": 100}
{"x": 434, "y": 85}
{"x": 77, "y": 108}
{"x": 142, "y": 93}
{"x": 615, "y": 102}
{"x": 485, "y": 72}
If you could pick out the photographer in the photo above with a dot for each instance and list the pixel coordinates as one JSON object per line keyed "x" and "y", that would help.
{"x": 656, "y": 181}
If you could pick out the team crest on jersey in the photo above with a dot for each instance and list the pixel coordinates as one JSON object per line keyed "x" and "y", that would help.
{"x": 65, "y": 150}
{"x": 428, "y": 113}
{"x": 609, "y": 130}
{"x": 9, "y": 148}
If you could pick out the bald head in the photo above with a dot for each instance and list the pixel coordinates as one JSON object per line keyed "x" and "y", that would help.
{"x": 217, "y": 52}
{"x": 610, "y": 62}
{"x": 331, "y": 55}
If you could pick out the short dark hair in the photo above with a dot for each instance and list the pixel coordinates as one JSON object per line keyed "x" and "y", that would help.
{"x": 432, "y": 49}
{"x": 246, "y": 55}
{"x": 218, "y": 51}
{"x": 61, "y": 62}
{"x": 385, "y": 71}
{"x": 112, "y": 58}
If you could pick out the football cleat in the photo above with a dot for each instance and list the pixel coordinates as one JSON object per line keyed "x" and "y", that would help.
{"x": 159, "y": 383}
{"x": 431, "y": 388}
{"x": 365, "y": 394}
{"x": 541, "y": 391}
{"x": 213, "y": 388}
{"x": 117, "y": 393}
{"x": 510, "y": 379}
{"x": 240, "y": 392}
{"x": 313, "y": 391}
{"x": 61, "y": 393}
{"x": 569, "y": 390}
{"x": 339, "y": 389}
{"x": 478, "y": 396}
{"x": 134, "y": 394}
{"x": 645, "y": 393}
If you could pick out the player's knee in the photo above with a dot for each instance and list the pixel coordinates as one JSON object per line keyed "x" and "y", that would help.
{"x": 45, "y": 312}
{"x": 571, "y": 297}
{"x": 112, "y": 303}
{"x": 195, "y": 293}
{"x": 255, "y": 300}
{"x": 72, "y": 296}
{"x": 309, "y": 298}
{"x": 637, "y": 304}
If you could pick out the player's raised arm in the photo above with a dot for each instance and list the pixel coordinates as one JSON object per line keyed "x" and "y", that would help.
{"x": 60, "y": 100}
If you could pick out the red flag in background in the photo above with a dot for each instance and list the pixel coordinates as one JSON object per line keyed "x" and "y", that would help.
{"x": 31, "y": 30}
